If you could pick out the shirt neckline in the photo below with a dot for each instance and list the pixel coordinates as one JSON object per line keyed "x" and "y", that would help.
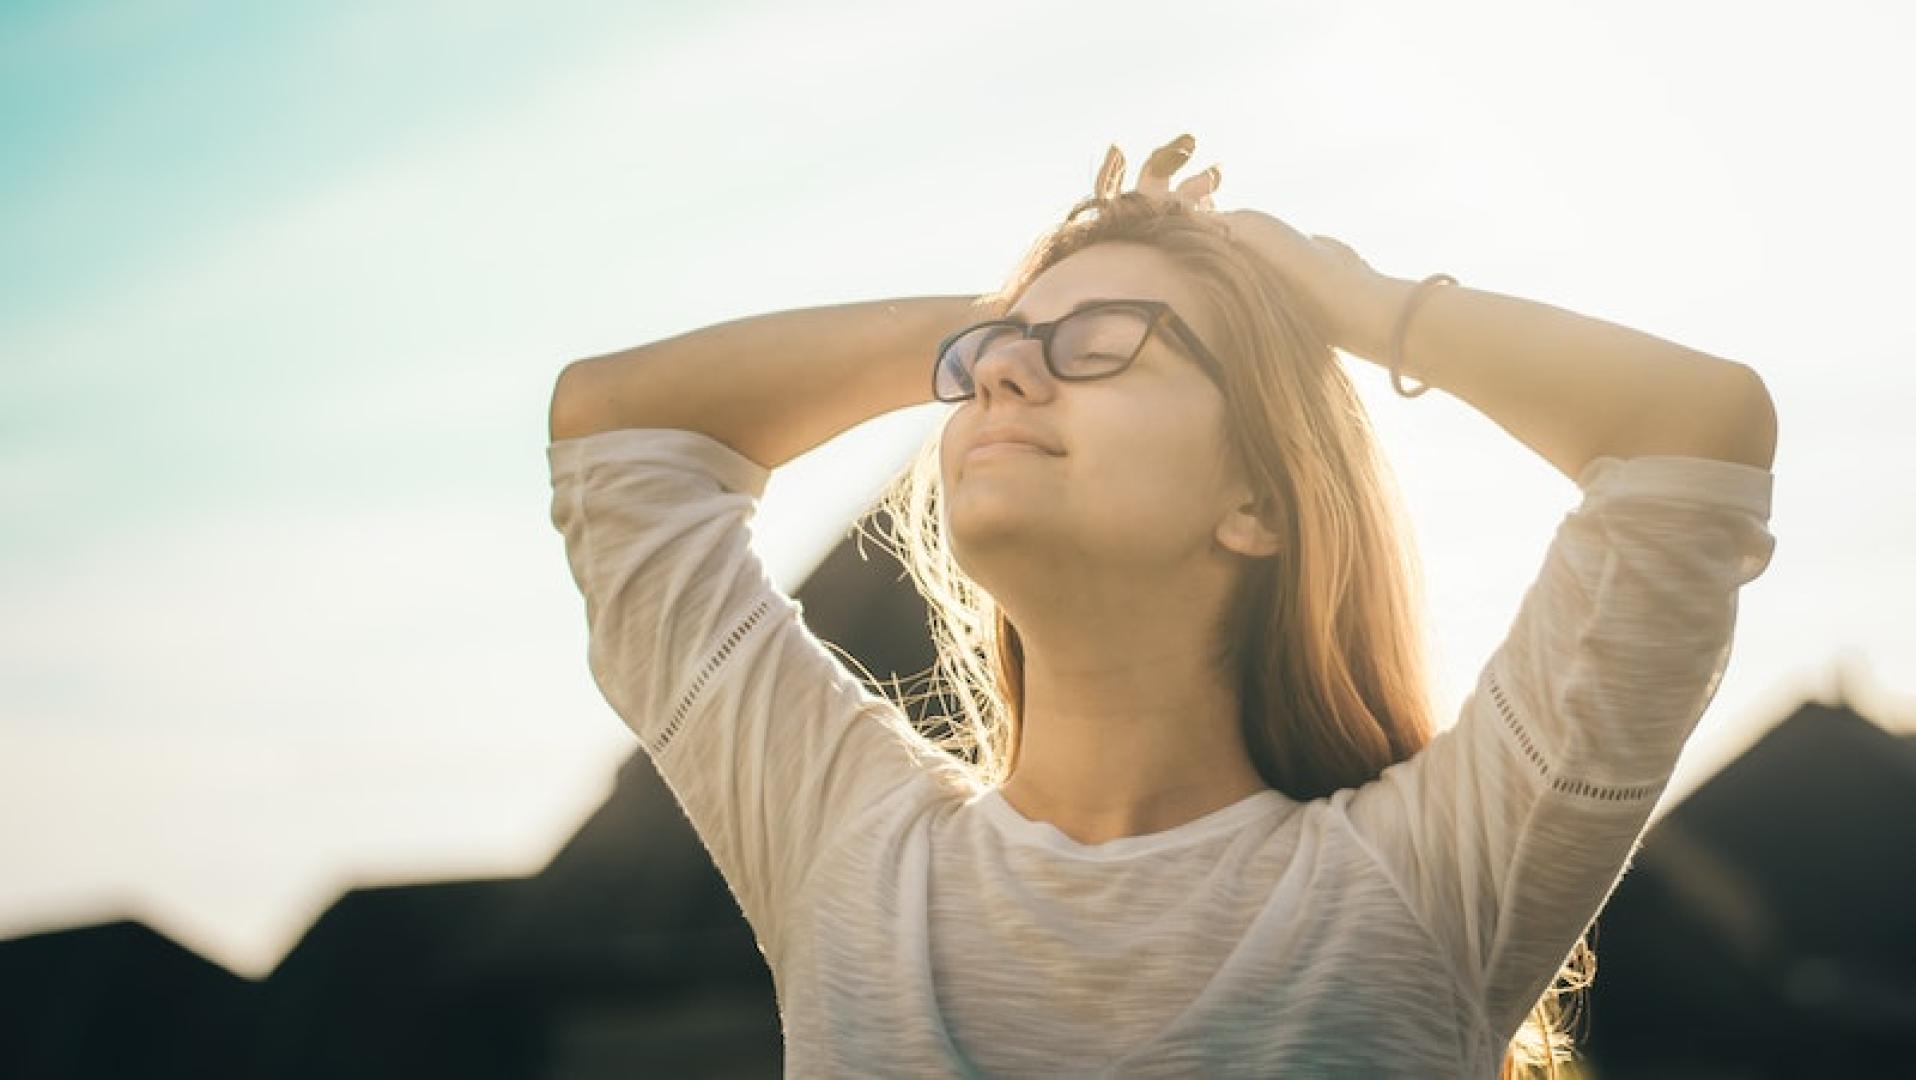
{"x": 1015, "y": 826}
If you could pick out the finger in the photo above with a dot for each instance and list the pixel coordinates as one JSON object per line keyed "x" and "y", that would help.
{"x": 1155, "y": 177}
{"x": 1201, "y": 185}
{"x": 1110, "y": 178}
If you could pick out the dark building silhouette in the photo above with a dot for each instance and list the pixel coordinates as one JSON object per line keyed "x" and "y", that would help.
{"x": 119, "y": 999}
{"x": 1766, "y": 929}
{"x": 1768, "y": 924}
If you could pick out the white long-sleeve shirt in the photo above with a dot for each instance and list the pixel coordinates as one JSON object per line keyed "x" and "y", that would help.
{"x": 915, "y": 926}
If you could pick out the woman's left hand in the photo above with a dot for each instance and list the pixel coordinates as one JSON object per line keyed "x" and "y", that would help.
{"x": 1348, "y": 302}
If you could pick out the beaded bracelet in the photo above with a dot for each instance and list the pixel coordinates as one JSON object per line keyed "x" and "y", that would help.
{"x": 1396, "y": 354}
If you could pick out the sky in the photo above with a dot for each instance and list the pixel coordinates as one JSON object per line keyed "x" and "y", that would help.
{"x": 284, "y": 289}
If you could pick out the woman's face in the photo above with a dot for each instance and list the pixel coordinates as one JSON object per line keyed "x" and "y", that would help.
{"x": 1132, "y": 475}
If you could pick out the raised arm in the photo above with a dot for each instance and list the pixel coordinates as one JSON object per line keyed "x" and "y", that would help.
{"x": 1571, "y": 387}
{"x": 1575, "y": 388}
{"x": 770, "y": 386}
{"x": 771, "y": 744}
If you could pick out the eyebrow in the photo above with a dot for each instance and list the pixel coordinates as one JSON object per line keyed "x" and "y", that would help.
{"x": 1079, "y": 306}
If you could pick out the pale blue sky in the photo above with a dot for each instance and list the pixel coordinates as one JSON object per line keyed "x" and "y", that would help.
{"x": 283, "y": 289}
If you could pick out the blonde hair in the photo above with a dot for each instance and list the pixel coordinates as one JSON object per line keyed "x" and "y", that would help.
{"x": 1327, "y": 637}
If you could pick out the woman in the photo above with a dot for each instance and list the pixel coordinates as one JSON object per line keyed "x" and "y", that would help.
{"x": 1193, "y": 820}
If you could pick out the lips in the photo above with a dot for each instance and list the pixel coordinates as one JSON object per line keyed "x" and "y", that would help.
{"x": 1005, "y": 449}
{"x": 1016, "y": 436}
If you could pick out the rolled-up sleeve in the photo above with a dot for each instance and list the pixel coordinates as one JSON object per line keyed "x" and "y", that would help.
{"x": 1508, "y": 832}
{"x": 767, "y": 740}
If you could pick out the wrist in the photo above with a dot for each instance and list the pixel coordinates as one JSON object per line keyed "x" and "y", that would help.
{"x": 1382, "y": 302}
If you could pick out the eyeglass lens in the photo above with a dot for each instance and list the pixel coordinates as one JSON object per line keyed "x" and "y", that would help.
{"x": 1089, "y": 344}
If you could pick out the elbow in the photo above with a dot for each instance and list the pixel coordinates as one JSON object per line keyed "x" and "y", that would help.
{"x": 568, "y": 416}
{"x": 1752, "y": 438}
{"x": 1721, "y": 411}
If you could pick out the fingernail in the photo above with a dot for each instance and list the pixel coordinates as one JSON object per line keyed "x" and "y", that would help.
{"x": 1217, "y": 176}
{"x": 1187, "y": 142}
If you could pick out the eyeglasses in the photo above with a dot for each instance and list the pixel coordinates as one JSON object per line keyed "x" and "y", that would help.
{"x": 1096, "y": 341}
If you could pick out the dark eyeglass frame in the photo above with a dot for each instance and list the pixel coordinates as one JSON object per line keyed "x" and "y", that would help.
{"x": 1160, "y": 313}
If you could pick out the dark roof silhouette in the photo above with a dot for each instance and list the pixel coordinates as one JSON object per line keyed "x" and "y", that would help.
{"x": 118, "y": 999}
{"x": 1770, "y": 918}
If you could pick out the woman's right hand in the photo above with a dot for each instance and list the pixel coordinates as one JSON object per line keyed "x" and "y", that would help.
{"x": 1155, "y": 177}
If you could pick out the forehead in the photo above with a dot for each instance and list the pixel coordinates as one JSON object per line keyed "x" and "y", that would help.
{"x": 1109, "y": 271}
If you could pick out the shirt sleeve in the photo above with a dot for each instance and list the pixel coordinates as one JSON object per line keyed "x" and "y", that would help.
{"x": 767, "y": 740}
{"x": 1508, "y": 832}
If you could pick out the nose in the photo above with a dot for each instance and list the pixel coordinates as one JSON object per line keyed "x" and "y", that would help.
{"x": 1015, "y": 368}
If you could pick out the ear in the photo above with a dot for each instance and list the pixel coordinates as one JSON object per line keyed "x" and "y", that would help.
{"x": 1244, "y": 530}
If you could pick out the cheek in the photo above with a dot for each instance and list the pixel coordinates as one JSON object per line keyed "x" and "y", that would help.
{"x": 1154, "y": 479}
{"x": 1152, "y": 487}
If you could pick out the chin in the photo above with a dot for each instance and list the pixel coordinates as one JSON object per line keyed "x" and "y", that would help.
{"x": 977, "y": 533}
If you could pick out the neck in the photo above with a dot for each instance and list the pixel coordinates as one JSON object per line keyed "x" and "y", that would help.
{"x": 1128, "y": 726}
